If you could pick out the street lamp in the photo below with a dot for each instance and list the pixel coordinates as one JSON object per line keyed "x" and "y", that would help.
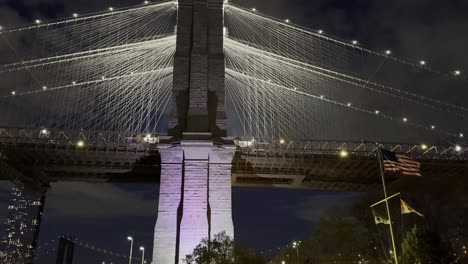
{"x": 296, "y": 246}
{"x": 129, "y": 238}
{"x": 142, "y": 249}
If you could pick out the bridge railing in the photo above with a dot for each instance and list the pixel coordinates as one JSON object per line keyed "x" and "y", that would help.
{"x": 348, "y": 148}
{"x": 77, "y": 138}
{"x": 144, "y": 142}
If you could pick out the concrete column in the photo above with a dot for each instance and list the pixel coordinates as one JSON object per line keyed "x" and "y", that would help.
{"x": 220, "y": 188}
{"x": 194, "y": 226}
{"x": 170, "y": 195}
{"x": 195, "y": 198}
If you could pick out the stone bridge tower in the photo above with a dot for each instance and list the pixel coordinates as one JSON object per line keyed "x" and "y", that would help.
{"x": 195, "y": 190}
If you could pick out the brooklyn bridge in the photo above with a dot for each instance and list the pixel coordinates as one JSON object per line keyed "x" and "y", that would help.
{"x": 202, "y": 95}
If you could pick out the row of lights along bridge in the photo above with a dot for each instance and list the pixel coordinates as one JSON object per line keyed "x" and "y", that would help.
{"x": 149, "y": 138}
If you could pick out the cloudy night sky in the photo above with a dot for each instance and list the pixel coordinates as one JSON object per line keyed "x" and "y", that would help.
{"x": 104, "y": 214}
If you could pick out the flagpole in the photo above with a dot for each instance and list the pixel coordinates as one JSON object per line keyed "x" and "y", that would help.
{"x": 382, "y": 173}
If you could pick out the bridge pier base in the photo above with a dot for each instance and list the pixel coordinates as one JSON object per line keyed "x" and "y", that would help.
{"x": 195, "y": 198}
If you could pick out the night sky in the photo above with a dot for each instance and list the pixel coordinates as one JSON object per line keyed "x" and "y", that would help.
{"x": 105, "y": 214}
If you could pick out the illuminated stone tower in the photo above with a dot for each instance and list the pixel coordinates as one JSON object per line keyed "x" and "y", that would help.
{"x": 195, "y": 190}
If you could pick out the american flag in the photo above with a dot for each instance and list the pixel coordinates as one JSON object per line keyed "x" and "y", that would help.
{"x": 399, "y": 163}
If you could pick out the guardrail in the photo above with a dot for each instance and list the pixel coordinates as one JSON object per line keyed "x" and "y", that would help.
{"x": 110, "y": 139}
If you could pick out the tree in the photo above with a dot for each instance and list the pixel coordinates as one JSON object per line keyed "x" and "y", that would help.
{"x": 221, "y": 250}
{"x": 422, "y": 245}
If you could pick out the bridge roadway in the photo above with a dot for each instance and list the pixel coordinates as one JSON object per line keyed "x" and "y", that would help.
{"x": 54, "y": 156}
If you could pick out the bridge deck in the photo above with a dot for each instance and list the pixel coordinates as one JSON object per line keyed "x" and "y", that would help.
{"x": 120, "y": 157}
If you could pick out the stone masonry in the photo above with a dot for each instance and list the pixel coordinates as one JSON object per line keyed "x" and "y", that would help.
{"x": 195, "y": 191}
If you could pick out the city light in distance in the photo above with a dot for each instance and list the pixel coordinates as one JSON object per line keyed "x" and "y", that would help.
{"x": 422, "y": 63}
{"x": 433, "y": 127}
{"x": 457, "y": 72}
{"x": 75, "y": 15}
{"x": 377, "y": 112}
{"x": 44, "y": 131}
{"x": 111, "y": 9}
{"x": 355, "y": 42}
{"x": 405, "y": 119}
{"x": 349, "y": 104}
{"x": 254, "y": 9}
{"x": 424, "y": 147}
{"x": 44, "y": 87}
{"x": 13, "y": 92}
{"x": 458, "y": 148}
{"x": 146, "y": 2}
{"x": 287, "y": 20}
{"x": 320, "y": 31}
{"x": 37, "y": 21}
{"x": 461, "y": 135}
{"x": 73, "y": 82}
{"x": 282, "y": 141}
{"x": 388, "y": 52}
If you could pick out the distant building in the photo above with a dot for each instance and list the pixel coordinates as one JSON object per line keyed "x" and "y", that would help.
{"x": 21, "y": 228}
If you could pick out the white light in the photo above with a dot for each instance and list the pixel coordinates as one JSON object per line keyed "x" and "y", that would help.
{"x": 282, "y": 141}
{"x": 148, "y": 135}
{"x": 37, "y": 21}
{"x": 80, "y": 144}
{"x": 461, "y": 135}
{"x": 254, "y": 9}
{"x": 349, "y": 104}
{"x": 73, "y": 82}
{"x": 388, "y": 52}
{"x": 377, "y": 112}
{"x": 225, "y": 31}
{"x": 355, "y": 42}
{"x": 344, "y": 153}
{"x": 433, "y": 127}
{"x": 44, "y": 87}
{"x": 146, "y": 2}
{"x": 75, "y": 15}
{"x": 13, "y": 92}
{"x": 103, "y": 77}
{"x": 142, "y": 248}
{"x": 44, "y": 131}
{"x": 321, "y": 97}
{"x": 1, "y": 27}
{"x": 458, "y": 148}
{"x": 422, "y": 62}
{"x": 424, "y": 147}
{"x": 320, "y": 31}
{"x": 129, "y": 238}
{"x": 287, "y": 20}
{"x": 457, "y": 72}
{"x": 405, "y": 119}
{"x": 131, "y": 73}
{"x": 111, "y": 9}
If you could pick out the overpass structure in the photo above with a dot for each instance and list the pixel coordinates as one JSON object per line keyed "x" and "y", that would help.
{"x": 236, "y": 93}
